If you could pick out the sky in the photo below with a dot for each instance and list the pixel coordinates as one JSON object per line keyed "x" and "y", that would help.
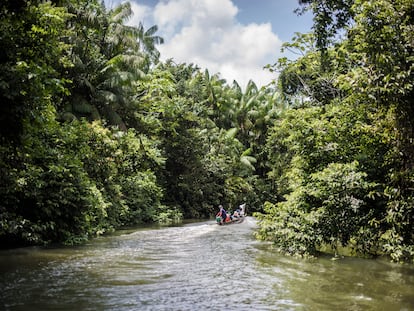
{"x": 234, "y": 38}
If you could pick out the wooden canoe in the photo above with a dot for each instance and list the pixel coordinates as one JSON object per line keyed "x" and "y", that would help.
{"x": 233, "y": 219}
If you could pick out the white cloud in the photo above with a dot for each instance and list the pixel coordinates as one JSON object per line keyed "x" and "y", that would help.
{"x": 142, "y": 13}
{"x": 206, "y": 33}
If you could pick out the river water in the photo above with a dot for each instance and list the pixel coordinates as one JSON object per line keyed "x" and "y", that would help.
{"x": 196, "y": 266}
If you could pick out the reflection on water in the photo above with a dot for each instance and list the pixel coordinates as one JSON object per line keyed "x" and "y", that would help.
{"x": 199, "y": 266}
{"x": 345, "y": 284}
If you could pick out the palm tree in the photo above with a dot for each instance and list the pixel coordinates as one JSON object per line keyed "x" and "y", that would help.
{"x": 147, "y": 41}
{"x": 121, "y": 66}
{"x": 108, "y": 57}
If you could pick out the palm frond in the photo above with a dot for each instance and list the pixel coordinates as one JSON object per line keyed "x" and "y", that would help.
{"x": 247, "y": 161}
{"x": 231, "y": 133}
{"x": 121, "y": 13}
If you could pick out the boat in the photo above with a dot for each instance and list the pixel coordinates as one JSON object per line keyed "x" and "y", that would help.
{"x": 233, "y": 219}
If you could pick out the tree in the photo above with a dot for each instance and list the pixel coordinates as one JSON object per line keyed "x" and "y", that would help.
{"x": 31, "y": 50}
{"x": 330, "y": 18}
{"x": 108, "y": 58}
{"x": 69, "y": 181}
{"x": 383, "y": 45}
{"x": 303, "y": 81}
{"x": 362, "y": 130}
{"x": 147, "y": 41}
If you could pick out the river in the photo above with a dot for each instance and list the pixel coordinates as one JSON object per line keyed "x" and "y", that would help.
{"x": 195, "y": 266}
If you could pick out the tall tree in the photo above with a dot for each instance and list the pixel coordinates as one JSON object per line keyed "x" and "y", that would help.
{"x": 31, "y": 53}
{"x": 147, "y": 43}
{"x": 382, "y": 49}
{"x": 109, "y": 57}
{"x": 346, "y": 167}
{"x": 330, "y": 18}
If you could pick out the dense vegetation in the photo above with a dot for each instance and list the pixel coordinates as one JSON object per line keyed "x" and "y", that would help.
{"x": 342, "y": 157}
{"x": 96, "y": 133}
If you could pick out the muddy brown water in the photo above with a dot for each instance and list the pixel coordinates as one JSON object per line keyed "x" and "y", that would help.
{"x": 196, "y": 266}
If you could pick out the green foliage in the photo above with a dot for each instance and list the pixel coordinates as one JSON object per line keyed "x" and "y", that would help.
{"x": 304, "y": 82}
{"x": 330, "y": 17}
{"x": 142, "y": 196}
{"x": 289, "y": 227}
{"x": 30, "y": 49}
{"x": 177, "y": 106}
{"x": 108, "y": 57}
{"x": 97, "y": 134}
{"x": 314, "y": 152}
{"x": 345, "y": 168}
{"x": 54, "y": 198}
{"x": 169, "y": 216}
{"x": 330, "y": 193}
{"x": 340, "y": 192}
{"x": 76, "y": 181}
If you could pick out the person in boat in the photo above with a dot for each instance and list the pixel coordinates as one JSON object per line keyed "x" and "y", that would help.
{"x": 237, "y": 212}
{"x": 242, "y": 209}
{"x": 222, "y": 213}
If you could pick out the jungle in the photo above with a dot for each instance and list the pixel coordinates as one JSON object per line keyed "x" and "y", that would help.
{"x": 98, "y": 134}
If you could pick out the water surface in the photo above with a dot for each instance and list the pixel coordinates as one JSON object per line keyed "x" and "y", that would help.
{"x": 198, "y": 266}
